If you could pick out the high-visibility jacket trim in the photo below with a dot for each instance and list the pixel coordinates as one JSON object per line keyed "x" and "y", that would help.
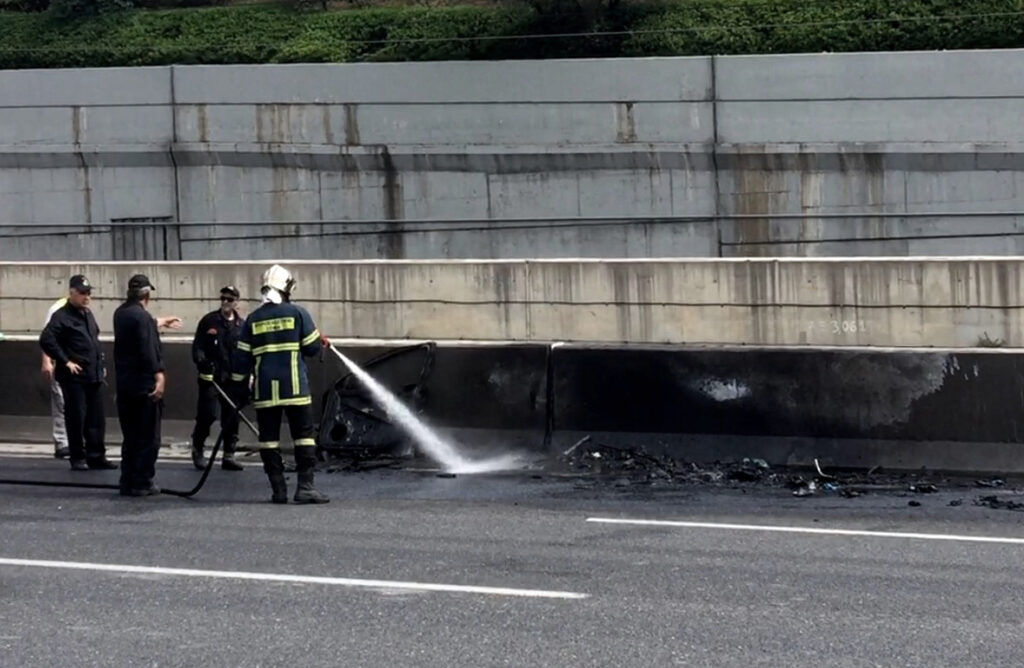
{"x": 273, "y": 342}
{"x": 269, "y": 403}
{"x": 276, "y": 348}
{"x": 312, "y": 338}
{"x": 273, "y": 325}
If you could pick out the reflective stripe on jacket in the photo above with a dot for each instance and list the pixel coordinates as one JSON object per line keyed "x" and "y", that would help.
{"x": 272, "y": 341}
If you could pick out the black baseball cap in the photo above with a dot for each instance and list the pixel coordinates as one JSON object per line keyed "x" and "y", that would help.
{"x": 140, "y": 281}
{"x": 80, "y": 283}
{"x": 231, "y": 291}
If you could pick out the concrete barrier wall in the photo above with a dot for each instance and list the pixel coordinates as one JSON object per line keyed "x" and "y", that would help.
{"x": 851, "y": 408}
{"x": 944, "y": 302}
{"x": 692, "y": 154}
{"x": 895, "y": 409}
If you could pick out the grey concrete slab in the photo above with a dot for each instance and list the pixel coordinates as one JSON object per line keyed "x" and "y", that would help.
{"x": 85, "y": 87}
{"x": 964, "y": 74}
{"x": 593, "y": 80}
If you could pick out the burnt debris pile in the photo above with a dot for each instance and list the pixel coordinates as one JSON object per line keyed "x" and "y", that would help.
{"x": 624, "y": 466}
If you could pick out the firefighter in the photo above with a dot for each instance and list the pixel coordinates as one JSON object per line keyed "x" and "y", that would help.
{"x": 212, "y": 348}
{"x": 274, "y": 339}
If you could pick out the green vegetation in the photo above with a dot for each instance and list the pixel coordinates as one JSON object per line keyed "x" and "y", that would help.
{"x": 813, "y": 26}
{"x": 77, "y": 33}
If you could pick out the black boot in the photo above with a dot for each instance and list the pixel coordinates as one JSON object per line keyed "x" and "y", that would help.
{"x": 99, "y": 463}
{"x": 198, "y": 460}
{"x": 274, "y": 468}
{"x": 228, "y": 461}
{"x": 305, "y": 462}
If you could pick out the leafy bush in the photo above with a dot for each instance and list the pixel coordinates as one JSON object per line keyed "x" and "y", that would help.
{"x": 256, "y": 34}
{"x": 24, "y": 5}
{"x": 278, "y": 34}
{"x": 781, "y": 26}
{"x": 68, "y": 9}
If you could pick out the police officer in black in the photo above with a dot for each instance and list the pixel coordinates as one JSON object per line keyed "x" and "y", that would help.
{"x": 71, "y": 339}
{"x": 138, "y": 358}
{"x": 214, "y": 343}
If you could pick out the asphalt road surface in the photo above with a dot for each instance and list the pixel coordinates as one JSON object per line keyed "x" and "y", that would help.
{"x": 404, "y": 568}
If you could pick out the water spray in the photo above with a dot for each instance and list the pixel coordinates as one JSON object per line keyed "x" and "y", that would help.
{"x": 438, "y": 449}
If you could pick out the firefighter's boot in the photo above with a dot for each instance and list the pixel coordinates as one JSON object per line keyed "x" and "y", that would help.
{"x": 198, "y": 460}
{"x": 228, "y": 461}
{"x": 274, "y": 468}
{"x": 305, "y": 463}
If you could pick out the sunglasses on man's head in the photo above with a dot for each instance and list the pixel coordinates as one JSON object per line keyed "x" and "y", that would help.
{"x": 230, "y": 300}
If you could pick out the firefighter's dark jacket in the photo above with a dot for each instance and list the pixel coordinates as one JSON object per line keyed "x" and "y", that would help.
{"x": 73, "y": 335}
{"x": 273, "y": 338}
{"x": 214, "y": 345}
{"x": 137, "y": 352}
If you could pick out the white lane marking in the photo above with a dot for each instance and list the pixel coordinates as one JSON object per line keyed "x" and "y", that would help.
{"x": 810, "y": 530}
{"x": 300, "y": 579}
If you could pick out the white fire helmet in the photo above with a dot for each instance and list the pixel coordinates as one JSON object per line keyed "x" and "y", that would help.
{"x": 279, "y": 278}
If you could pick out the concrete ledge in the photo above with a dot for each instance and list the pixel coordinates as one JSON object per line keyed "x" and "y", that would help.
{"x": 943, "y": 302}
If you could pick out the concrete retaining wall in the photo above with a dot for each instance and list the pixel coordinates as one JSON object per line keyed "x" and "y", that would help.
{"x": 700, "y": 149}
{"x": 944, "y": 302}
{"x": 940, "y": 410}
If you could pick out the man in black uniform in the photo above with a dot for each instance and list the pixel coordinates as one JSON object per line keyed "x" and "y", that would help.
{"x": 71, "y": 339}
{"x": 215, "y": 342}
{"x": 139, "y": 362}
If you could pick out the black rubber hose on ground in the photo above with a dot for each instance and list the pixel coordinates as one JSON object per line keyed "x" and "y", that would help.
{"x": 94, "y": 485}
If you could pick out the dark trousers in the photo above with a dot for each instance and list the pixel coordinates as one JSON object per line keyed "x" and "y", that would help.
{"x": 140, "y": 425}
{"x": 207, "y": 407}
{"x": 84, "y": 420}
{"x": 300, "y": 423}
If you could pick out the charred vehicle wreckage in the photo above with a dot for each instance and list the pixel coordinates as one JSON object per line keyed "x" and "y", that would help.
{"x": 356, "y": 434}
{"x": 354, "y": 428}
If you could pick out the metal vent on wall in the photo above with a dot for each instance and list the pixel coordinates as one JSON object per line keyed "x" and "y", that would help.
{"x": 149, "y": 238}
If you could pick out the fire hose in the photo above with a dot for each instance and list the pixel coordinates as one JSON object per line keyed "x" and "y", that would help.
{"x": 173, "y": 492}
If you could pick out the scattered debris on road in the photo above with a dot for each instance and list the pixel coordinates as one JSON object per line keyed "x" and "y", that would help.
{"x": 594, "y": 464}
{"x": 624, "y": 466}
{"x": 998, "y": 502}
{"x": 352, "y": 462}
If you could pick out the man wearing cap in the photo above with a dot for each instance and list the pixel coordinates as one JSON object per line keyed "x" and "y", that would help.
{"x": 138, "y": 360}
{"x": 71, "y": 340}
{"x": 214, "y": 343}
